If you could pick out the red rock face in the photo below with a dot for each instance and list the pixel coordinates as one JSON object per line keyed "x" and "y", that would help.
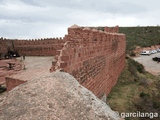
{"x": 93, "y": 57}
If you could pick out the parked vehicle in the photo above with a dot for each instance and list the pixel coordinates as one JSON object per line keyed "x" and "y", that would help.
{"x": 145, "y": 52}
{"x": 158, "y": 50}
{"x": 153, "y": 51}
{"x": 156, "y": 59}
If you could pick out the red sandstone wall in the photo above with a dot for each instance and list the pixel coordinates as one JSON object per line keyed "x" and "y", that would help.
{"x": 40, "y": 47}
{"x": 43, "y": 47}
{"x": 112, "y": 29}
{"x": 12, "y": 83}
{"x": 95, "y": 58}
{"x": 4, "y": 45}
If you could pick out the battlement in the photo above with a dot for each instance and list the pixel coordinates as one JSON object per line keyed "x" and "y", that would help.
{"x": 112, "y": 29}
{"x": 40, "y": 47}
{"x": 94, "y": 57}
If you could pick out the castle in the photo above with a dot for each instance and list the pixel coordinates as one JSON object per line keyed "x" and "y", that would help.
{"x": 94, "y": 57}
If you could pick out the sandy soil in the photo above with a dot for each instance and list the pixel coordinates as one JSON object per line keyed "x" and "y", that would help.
{"x": 150, "y": 65}
{"x": 34, "y": 67}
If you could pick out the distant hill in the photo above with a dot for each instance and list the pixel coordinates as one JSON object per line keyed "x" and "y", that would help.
{"x": 144, "y": 36}
{"x": 141, "y": 36}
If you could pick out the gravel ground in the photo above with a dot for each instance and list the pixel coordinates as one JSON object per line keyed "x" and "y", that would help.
{"x": 34, "y": 67}
{"x": 150, "y": 65}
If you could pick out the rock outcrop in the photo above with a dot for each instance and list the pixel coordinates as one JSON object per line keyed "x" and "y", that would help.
{"x": 56, "y": 96}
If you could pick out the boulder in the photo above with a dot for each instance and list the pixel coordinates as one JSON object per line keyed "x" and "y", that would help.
{"x": 55, "y": 96}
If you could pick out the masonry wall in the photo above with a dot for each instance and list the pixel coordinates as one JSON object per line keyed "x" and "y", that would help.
{"x": 12, "y": 83}
{"x": 95, "y": 58}
{"x": 4, "y": 45}
{"x": 38, "y": 47}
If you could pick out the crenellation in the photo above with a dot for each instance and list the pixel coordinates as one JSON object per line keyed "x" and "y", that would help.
{"x": 94, "y": 57}
{"x": 87, "y": 52}
{"x": 31, "y": 46}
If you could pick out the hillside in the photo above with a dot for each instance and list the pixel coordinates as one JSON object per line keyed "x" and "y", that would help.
{"x": 141, "y": 36}
{"x": 137, "y": 90}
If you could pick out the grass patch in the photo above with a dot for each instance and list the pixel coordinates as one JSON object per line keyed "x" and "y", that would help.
{"x": 136, "y": 90}
{"x": 141, "y": 36}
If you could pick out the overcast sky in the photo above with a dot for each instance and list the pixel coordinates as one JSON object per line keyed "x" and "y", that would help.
{"x": 51, "y": 18}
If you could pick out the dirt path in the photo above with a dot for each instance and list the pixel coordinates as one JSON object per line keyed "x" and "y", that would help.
{"x": 150, "y": 65}
{"x": 34, "y": 67}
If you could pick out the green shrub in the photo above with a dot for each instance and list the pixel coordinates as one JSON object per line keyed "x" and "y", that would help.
{"x": 132, "y": 53}
{"x": 134, "y": 64}
{"x": 132, "y": 68}
{"x": 156, "y": 104}
{"x": 144, "y": 95}
{"x": 140, "y": 68}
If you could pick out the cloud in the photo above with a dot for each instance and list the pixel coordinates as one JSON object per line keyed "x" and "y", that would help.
{"x": 129, "y": 8}
{"x": 51, "y": 18}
